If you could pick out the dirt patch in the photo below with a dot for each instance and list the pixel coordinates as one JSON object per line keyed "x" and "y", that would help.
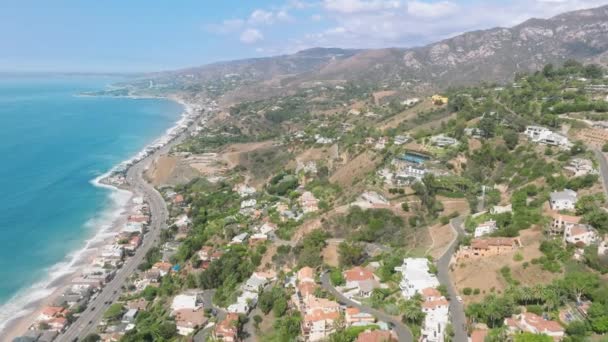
{"x": 171, "y": 170}
{"x": 407, "y": 114}
{"x": 356, "y": 168}
{"x": 454, "y": 205}
{"x": 474, "y": 145}
{"x": 484, "y": 273}
{"x": 330, "y": 253}
{"x": 441, "y": 236}
{"x": 231, "y": 154}
{"x": 379, "y": 95}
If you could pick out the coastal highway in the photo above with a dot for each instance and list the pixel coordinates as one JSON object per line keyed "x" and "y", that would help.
{"x": 90, "y": 318}
{"x": 403, "y": 332}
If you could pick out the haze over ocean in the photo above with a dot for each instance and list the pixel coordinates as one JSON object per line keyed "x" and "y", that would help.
{"x": 53, "y": 143}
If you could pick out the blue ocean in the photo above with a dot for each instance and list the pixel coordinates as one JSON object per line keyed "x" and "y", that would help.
{"x": 52, "y": 144}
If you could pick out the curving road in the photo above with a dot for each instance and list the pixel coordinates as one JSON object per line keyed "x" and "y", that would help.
{"x": 403, "y": 332}
{"x": 91, "y": 317}
{"x": 457, "y": 315}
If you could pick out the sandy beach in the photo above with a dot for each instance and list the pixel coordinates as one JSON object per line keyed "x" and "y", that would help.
{"x": 18, "y": 325}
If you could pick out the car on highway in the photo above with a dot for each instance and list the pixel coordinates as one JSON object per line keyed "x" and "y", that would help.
{"x": 459, "y": 299}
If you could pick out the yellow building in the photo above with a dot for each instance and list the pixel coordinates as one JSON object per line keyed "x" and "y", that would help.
{"x": 439, "y": 100}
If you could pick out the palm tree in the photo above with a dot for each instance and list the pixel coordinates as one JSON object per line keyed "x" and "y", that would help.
{"x": 412, "y": 313}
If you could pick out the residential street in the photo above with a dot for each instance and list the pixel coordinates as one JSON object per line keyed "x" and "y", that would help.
{"x": 603, "y": 169}
{"x": 457, "y": 315}
{"x": 403, "y": 332}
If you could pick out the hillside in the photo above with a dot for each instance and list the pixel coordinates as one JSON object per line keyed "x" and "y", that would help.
{"x": 493, "y": 55}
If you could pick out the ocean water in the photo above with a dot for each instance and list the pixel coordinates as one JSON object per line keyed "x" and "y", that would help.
{"x": 52, "y": 145}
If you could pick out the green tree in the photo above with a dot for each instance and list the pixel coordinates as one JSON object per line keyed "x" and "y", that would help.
{"x": 412, "y": 312}
{"x": 92, "y": 338}
{"x": 279, "y": 307}
{"x": 350, "y": 254}
{"x": 530, "y": 337}
{"x": 114, "y": 312}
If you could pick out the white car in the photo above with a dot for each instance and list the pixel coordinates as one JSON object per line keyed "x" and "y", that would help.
{"x": 459, "y": 299}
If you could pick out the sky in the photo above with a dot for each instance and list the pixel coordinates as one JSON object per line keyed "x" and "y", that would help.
{"x": 155, "y": 35}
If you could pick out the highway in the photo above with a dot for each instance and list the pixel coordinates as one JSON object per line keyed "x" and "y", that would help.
{"x": 403, "y": 332}
{"x": 89, "y": 319}
{"x": 457, "y": 315}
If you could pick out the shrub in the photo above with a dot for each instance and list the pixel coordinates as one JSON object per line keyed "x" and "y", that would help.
{"x": 467, "y": 291}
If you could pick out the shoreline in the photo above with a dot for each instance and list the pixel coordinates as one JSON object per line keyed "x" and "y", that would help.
{"x": 25, "y": 305}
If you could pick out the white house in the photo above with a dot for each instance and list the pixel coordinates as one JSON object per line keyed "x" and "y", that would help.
{"x": 485, "y": 228}
{"x": 543, "y": 135}
{"x": 563, "y": 200}
{"x": 443, "y": 140}
{"x": 578, "y": 234}
{"x": 192, "y": 301}
{"x": 415, "y": 276}
{"x": 400, "y": 140}
{"x": 248, "y": 203}
{"x": 498, "y": 209}
{"x": 239, "y": 239}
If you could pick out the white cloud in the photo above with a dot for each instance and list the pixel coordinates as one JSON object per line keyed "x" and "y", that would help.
{"x": 316, "y": 17}
{"x": 227, "y": 26}
{"x": 358, "y": 6}
{"x": 431, "y": 9}
{"x": 251, "y": 36}
{"x": 260, "y": 16}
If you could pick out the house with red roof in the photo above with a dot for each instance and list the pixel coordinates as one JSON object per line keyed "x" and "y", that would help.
{"x": 227, "y": 330}
{"x": 50, "y": 312}
{"x": 362, "y": 280}
{"x": 533, "y": 323}
{"x": 354, "y": 316}
{"x": 376, "y": 336}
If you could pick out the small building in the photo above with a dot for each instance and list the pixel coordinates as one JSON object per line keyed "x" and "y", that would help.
{"x": 376, "y": 336}
{"x": 488, "y": 247}
{"x": 560, "y": 222}
{"x": 580, "y": 235}
{"x": 498, "y": 209}
{"x": 129, "y": 316}
{"x": 400, "y": 140}
{"x": 188, "y": 321}
{"x": 192, "y": 301}
{"x": 362, "y": 280}
{"x": 563, "y": 200}
{"x": 442, "y": 140}
{"x": 354, "y": 316}
{"x": 535, "y": 324}
{"x": 227, "y": 330}
{"x": 309, "y": 202}
{"x": 239, "y": 239}
{"x": 485, "y": 228}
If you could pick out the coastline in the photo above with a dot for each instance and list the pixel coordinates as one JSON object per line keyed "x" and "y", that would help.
{"x": 21, "y": 310}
